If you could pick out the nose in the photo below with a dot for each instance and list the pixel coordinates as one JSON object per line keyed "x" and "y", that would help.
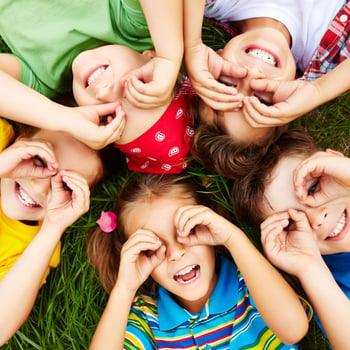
{"x": 244, "y": 83}
{"x": 106, "y": 93}
{"x": 316, "y": 216}
{"x": 175, "y": 251}
{"x": 41, "y": 187}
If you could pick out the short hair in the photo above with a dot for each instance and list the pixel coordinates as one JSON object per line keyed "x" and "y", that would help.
{"x": 216, "y": 150}
{"x": 248, "y": 191}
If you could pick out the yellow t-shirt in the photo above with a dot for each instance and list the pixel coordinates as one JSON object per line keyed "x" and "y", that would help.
{"x": 6, "y": 133}
{"x": 14, "y": 239}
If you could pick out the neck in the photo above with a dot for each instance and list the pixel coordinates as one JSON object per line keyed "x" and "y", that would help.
{"x": 263, "y": 22}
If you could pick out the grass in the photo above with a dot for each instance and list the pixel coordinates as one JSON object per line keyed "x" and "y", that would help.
{"x": 70, "y": 304}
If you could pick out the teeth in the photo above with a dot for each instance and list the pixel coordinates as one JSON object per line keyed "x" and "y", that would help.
{"x": 95, "y": 74}
{"x": 25, "y": 199}
{"x": 265, "y": 56}
{"x": 178, "y": 276}
{"x": 339, "y": 227}
{"x": 186, "y": 270}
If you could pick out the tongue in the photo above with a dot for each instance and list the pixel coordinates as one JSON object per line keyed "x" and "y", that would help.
{"x": 188, "y": 276}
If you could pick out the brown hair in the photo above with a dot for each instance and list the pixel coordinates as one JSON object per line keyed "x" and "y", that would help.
{"x": 216, "y": 150}
{"x": 248, "y": 192}
{"x": 104, "y": 248}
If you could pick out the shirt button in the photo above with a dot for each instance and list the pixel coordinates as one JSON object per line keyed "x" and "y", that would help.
{"x": 343, "y": 18}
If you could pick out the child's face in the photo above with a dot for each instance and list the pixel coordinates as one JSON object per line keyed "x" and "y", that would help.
{"x": 266, "y": 54}
{"x": 97, "y": 73}
{"x": 187, "y": 272}
{"x": 27, "y": 198}
{"x": 329, "y": 221}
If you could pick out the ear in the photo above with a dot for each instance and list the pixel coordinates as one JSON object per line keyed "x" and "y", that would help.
{"x": 336, "y": 153}
{"x": 149, "y": 54}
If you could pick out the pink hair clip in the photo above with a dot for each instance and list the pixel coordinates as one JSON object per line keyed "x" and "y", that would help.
{"x": 107, "y": 221}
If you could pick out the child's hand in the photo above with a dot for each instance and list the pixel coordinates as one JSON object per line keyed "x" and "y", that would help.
{"x": 198, "y": 224}
{"x": 27, "y": 158}
{"x": 321, "y": 177}
{"x": 204, "y": 66}
{"x": 140, "y": 255}
{"x": 291, "y": 100}
{"x": 96, "y": 126}
{"x": 70, "y": 198}
{"x": 152, "y": 85}
{"x": 288, "y": 242}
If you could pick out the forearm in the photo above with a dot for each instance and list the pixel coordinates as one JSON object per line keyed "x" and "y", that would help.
{"x": 331, "y": 304}
{"x": 334, "y": 83}
{"x": 110, "y": 332}
{"x": 20, "y": 103}
{"x": 20, "y": 286}
{"x": 165, "y": 22}
{"x": 193, "y": 21}
{"x": 275, "y": 300}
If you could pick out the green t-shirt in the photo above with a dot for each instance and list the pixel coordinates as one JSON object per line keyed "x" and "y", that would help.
{"x": 46, "y": 35}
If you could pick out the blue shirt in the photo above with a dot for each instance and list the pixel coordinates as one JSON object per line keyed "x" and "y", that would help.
{"x": 229, "y": 320}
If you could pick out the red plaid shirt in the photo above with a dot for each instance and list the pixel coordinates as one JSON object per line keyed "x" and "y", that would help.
{"x": 334, "y": 46}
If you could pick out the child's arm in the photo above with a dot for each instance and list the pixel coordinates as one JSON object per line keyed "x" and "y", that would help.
{"x": 321, "y": 177}
{"x": 293, "y": 99}
{"x": 22, "y": 104}
{"x": 275, "y": 300}
{"x": 204, "y": 65}
{"x": 153, "y": 84}
{"x": 296, "y": 252}
{"x": 135, "y": 267}
{"x": 20, "y": 286}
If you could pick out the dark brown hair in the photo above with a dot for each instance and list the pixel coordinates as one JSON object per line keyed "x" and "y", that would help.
{"x": 216, "y": 150}
{"x": 248, "y": 192}
{"x": 104, "y": 248}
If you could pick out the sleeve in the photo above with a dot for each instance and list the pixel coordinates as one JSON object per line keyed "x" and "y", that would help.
{"x": 138, "y": 334}
{"x": 6, "y": 133}
{"x": 28, "y": 78}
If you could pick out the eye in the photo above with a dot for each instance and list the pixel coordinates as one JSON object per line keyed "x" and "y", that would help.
{"x": 314, "y": 188}
{"x": 263, "y": 101}
{"x": 227, "y": 83}
{"x": 148, "y": 253}
{"x": 291, "y": 225}
{"x": 66, "y": 188}
{"x": 39, "y": 162}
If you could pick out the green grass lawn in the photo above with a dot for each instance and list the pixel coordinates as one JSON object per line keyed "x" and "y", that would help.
{"x": 70, "y": 304}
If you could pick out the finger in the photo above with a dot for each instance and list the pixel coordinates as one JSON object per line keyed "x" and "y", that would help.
{"x": 265, "y": 85}
{"x": 300, "y": 219}
{"x": 106, "y": 108}
{"x": 233, "y": 70}
{"x": 186, "y": 218}
{"x": 274, "y": 218}
{"x": 146, "y": 99}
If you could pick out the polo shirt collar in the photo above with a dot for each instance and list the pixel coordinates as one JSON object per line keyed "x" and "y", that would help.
{"x": 172, "y": 315}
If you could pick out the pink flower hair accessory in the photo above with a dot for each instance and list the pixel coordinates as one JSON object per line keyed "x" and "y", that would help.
{"x": 107, "y": 221}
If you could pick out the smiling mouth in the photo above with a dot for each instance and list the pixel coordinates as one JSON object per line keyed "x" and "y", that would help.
{"x": 263, "y": 55}
{"x": 95, "y": 74}
{"x": 187, "y": 275}
{"x": 340, "y": 226}
{"x": 24, "y": 197}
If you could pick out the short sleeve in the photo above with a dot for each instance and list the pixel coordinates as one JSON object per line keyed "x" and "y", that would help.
{"x": 138, "y": 334}
{"x": 6, "y": 133}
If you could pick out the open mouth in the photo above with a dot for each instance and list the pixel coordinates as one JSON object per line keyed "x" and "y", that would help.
{"x": 187, "y": 275}
{"x": 24, "y": 197}
{"x": 263, "y": 55}
{"x": 339, "y": 227}
{"x": 95, "y": 74}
